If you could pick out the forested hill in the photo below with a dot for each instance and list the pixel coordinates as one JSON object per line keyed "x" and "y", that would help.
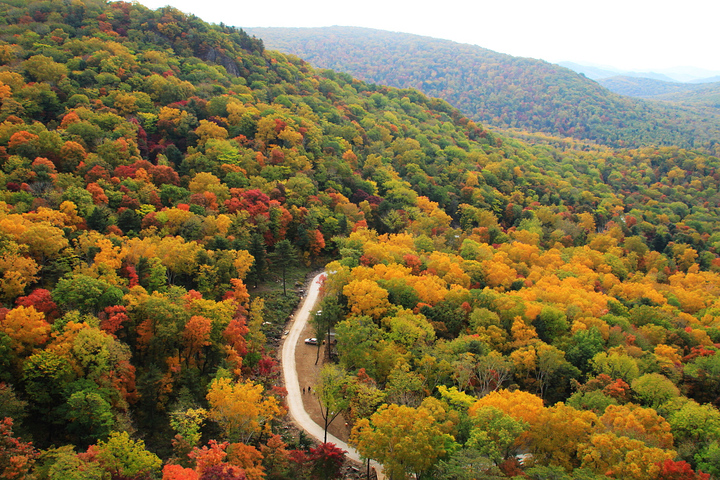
{"x": 699, "y": 94}
{"x": 496, "y": 89}
{"x": 162, "y": 180}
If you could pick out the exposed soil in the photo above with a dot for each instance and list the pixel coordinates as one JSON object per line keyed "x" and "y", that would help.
{"x": 304, "y": 370}
{"x": 308, "y": 373}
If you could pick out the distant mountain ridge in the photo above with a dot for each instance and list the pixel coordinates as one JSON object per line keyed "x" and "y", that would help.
{"x": 672, "y": 75}
{"x": 496, "y": 89}
{"x": 701, "y": 94}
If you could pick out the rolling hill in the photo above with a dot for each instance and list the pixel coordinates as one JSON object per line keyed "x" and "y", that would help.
{"x": 496, "y": 89}
{"x": 697, "y": 94}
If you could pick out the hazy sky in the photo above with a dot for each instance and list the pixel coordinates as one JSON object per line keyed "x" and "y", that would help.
{"x": 627, "y": 34}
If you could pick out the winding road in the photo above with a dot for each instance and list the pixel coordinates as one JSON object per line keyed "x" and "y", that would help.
{"x": 294, "y": 397}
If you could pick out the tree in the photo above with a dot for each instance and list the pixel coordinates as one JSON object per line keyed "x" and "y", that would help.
{"x": 654, "y": 389}
{"x": 87, "y": 294}
{"x": 186, "y": 424}
{"x": 120, "y": 455}
{"x": 275, "y": 457}
{"x": 518, "y": 404}
{"x": 27, "y": 329}
{"x": 404, "y": 387}
{"x": 621, "y": 456}
{"x": 45, "y": 375}
{"x": 16, "y": 457}
{"x": 366, "y": 297}
{"x": 671, "y": 470}
{"x": 45, "y": 241}
{"x": 63, "y": 463}
{"x": 41, "y": 299}
{"x": 695, "y": 428}
{"x": 703, "y": 378}
{"x": 364, "y": 396}
{"x": 405, "y": 440}
{"x": 258, "y": 252}
{"x": 321, "y": 325}
{"x": 88, "y": 415}
{"x": 359, "y": 341}
{"x": 495, "y": 434}
{"x": 638, "y": 423}
{"x": 327, "y": 460}
{"x": 177, "y": 472}
{"x": 248, "y": 458}
{"x": 10, "y": 405}
{"x": 463, "y": 464}
{"x": 549, "y": 435}
{"x": 491, "y": 371}
{"x": 196, "y": 336}
{"x": 44, "y": 69}
{"x": 331, "y": 393}
{"x": 17, "y": 272}
{"x": 240, "y": 409}
{"x": 285, "y": 255}
{"x": 616, "y": 365}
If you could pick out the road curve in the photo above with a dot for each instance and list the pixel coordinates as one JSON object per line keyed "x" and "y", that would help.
{"x": 292, "y": 385}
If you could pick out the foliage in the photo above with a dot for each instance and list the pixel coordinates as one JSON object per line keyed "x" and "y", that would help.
{"x": 488, "y": 295}
{"x": 494, "y": 88}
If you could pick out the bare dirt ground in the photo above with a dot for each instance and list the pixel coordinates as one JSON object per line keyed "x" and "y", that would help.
{"x": 308, "y": 373}
{"x": 300, "y": 374}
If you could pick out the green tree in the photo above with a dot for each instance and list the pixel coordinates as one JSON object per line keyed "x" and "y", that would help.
{"x": 45, "y": 375}
{"x": 84, "y": 293}
{"x": 331, "y": 391}
{"x": 654, "y": 389}
{"x": 121, "y": 456}
{"x": 285, "y": 255}
{"x": 259, "y": 254}
{"x": 88, "y": 415}
{"x": 495, "y": 434}
{"x": 696, "y": 429}
{"x": 63, "y": 463}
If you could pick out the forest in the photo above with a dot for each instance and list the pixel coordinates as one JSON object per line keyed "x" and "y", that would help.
{"x": 702, "y": 94}
{"x": 167, "y": 184}
{"x": 506, "y": 92}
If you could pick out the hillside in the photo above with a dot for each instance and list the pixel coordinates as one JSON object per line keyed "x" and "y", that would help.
{"x": 496, "y": 89}
{"x": 699, "y": 94}
{"x": 165, "y": 186}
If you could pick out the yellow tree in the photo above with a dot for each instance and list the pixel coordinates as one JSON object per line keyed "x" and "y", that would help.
{"x": 638, "y": 423}
{"x": 16, "y": 273}
{"x": 405, "y": 440}
{"x": 556, "y": 429}
{"x": 27, "y": 329}
{"x": 366, "y": 297}
{"x": 518, "y": 404}
{"x": 240, "y": 409}
{"x": 622, "y": 457}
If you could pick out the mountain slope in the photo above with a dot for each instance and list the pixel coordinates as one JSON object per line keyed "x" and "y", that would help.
{"x": 159, "y": 179}
{"x": 699, "y": 94}
{"x": 496, "y": 89}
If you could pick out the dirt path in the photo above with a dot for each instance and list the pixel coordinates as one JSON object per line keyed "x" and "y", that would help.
{"x": 300, "y": 371}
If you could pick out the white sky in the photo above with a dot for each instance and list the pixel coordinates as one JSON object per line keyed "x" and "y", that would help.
{"x": 638, "y": 35}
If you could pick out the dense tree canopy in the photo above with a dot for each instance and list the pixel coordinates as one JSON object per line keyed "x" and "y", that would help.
{"x": 160, "y": 176}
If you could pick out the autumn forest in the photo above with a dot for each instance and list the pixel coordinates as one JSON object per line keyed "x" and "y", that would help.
{"x": 523, "y": 305}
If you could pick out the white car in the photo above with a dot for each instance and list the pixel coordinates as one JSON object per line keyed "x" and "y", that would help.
{"x": 311, "y": 341}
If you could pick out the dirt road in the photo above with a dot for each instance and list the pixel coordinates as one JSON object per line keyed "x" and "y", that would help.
{"x": 294, "y": 347}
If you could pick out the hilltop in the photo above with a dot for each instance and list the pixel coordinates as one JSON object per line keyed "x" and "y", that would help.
{"x": 496, "y": 89}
